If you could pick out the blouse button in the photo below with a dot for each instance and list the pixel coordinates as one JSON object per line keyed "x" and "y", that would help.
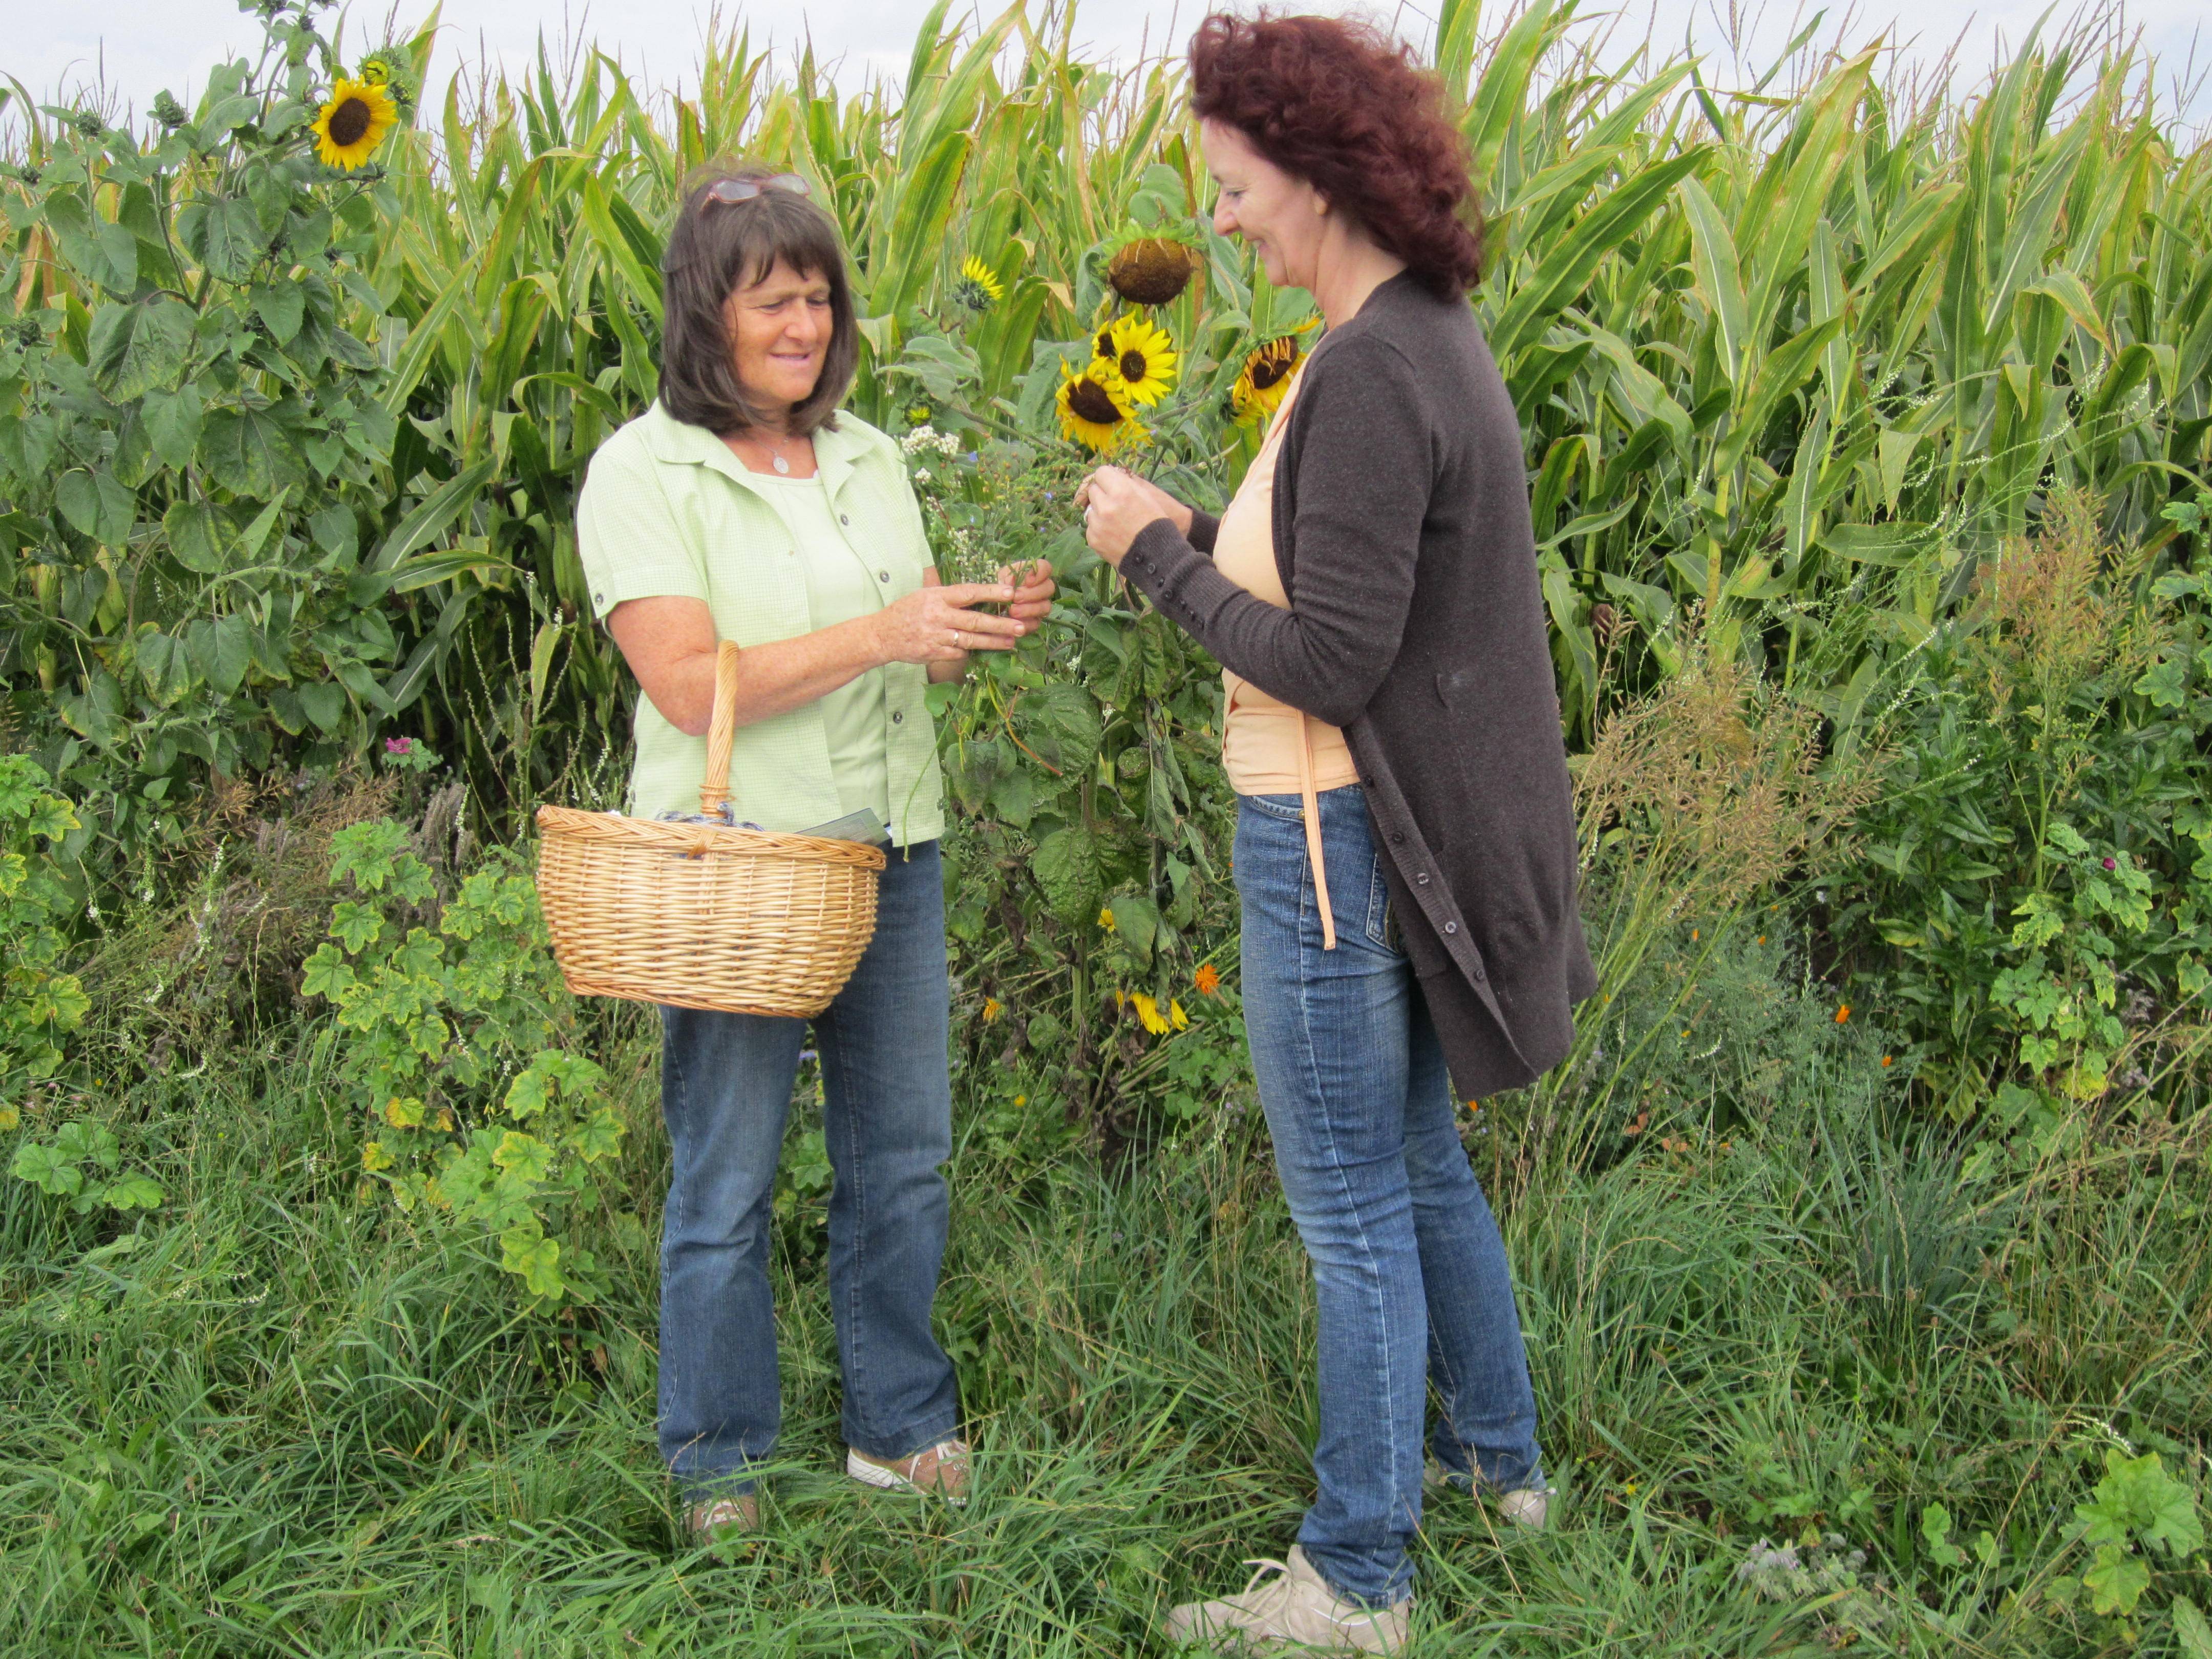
{"x": 884, "y": 575}
{"x": 897, "y": 718}
{"x": 841, "y": 519}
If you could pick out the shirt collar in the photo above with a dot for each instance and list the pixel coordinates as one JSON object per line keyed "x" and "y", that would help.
{"x": 680, "y": 443}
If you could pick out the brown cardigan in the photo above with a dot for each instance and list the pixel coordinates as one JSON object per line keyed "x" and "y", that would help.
{"x": 1417, "y": 624}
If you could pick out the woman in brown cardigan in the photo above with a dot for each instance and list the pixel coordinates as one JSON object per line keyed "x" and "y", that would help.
{"x": 1405, "y": 847}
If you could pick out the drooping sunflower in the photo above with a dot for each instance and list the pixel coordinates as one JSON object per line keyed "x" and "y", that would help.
{"x": 979, "y": 287}
{"x": 1266, "y": 378}
{"x": 1136, "y": 358}
{"x": 354, "y": 123}
{"x": 1152, "y": 271}
{"x": 1093, "y": 414}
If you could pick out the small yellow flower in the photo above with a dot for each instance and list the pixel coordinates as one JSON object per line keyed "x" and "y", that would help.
{"x": 1106, "y": 918}
{"x": 992, "y": 1009}
{"x": 1175, "y": 1012}
{"x": 351, "y": 126}
{"x": 979, "y": 287}
{"x": 1021, "y": 1100}
{"x": 1148, "y": 1013}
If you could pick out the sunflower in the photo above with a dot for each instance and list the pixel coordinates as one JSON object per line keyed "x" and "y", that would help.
{"x": 1266, "y": 379}
{"x": 1136, "y": 359}
{"x": 353, "y": 123}
{"x": 1152, "y": 271}
{"x": 1093, "y": 413}
{"x": 979, "y": 287}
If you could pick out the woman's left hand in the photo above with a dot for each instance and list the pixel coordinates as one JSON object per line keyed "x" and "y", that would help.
{"x": 1116, "y": 504}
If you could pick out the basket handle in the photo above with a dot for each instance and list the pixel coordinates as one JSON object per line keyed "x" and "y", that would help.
{"x": 714, "y": 788}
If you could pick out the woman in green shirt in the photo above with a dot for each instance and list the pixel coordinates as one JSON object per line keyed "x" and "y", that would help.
{"x": 744, "y": 505}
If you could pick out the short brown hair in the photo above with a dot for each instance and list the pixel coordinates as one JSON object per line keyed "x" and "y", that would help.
{"x": 717, "y": 248}
{"x": 1343, "y": 107}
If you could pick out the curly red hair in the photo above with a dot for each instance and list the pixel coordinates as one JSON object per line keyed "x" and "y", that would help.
{"x": 1353, "y": 112}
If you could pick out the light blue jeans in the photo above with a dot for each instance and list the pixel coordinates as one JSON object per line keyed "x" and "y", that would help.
{"x": 725, "y": 1087}
{"x": 1408, "y": 1266}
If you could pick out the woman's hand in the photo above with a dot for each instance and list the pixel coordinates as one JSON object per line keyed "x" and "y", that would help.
{"x": 937, "y": 624}
{"x": 1116, "y": 504}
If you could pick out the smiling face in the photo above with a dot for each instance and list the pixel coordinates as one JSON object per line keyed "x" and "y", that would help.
{"x": 780, "y": 331}
{"x": 1283, "y": 217}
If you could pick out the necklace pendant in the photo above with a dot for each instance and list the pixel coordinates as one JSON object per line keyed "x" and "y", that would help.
{"x": 780, "y": 464}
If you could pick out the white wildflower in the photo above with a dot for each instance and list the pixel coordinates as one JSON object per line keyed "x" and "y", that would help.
{"x": 922, "y": 475}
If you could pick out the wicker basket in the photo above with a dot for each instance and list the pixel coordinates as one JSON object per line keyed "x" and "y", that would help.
{"x": 701, "y": 916}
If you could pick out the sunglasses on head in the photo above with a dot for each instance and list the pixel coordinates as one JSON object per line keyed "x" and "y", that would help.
{"x": 730, "y": 192}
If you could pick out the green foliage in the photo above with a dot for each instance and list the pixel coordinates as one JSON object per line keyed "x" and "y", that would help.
{"x": 2036, "y": 897}
{"x": 81, "y": 1164}
{"x": 40, "y": 1004}
{"x": 2138, "y": 1513}
{"x": 444, "y": 1042}
{"x": 196, "y": 447}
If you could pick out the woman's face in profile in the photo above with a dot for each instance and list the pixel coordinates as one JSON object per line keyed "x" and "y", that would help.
{"x": 1281, "y": 216}
{"x": 780, "y": 329}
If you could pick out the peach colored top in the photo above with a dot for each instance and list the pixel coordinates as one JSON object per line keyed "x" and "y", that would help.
{"x": 1268, "y": 747}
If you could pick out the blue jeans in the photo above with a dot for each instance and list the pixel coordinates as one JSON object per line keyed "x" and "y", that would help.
{"x": 1408, "y": 1266}
{"x": 887, "y": 1116}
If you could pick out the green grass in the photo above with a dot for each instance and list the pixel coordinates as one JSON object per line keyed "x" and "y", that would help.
{"x": 285, "y": 1422}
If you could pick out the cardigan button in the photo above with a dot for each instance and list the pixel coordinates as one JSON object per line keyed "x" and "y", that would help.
{"x": 1422, "y": 878}
{"x": 1451, "y": 928}
{"x": 1397, "y": 838}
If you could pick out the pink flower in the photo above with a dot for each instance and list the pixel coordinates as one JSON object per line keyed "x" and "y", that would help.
{"x": 2111, "y": 864}
{"x": 401, "y": 745}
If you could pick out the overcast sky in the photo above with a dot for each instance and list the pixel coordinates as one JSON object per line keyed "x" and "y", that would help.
{"x": 138, "y": 47}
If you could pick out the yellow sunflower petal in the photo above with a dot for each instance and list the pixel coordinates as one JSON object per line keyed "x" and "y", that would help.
{"x": 350, "y": 127}
{"x": 1137, "y": 356}
{"x": 1093, "y": 413}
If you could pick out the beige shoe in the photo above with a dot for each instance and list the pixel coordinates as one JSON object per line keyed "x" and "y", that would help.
{"x": 1294, "y": 1608}
{"x": 937, "y": 1471}
{"x": 1530, "y": 1508}
{"x": 711, "y": 1517}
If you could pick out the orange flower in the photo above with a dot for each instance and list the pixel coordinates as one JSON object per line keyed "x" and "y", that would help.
{"x": 1886, "y": 1059}
{"x": 1208, "y": 979}
{"x": 1843, "y": 1013}
{"x": 992, "y": 1009}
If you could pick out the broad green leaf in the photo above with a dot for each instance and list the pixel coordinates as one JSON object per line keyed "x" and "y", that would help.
{"x": 164, "y": 664}
{"x": 225, "y": 235}
{"x": 247, "y": 452}
{"x": 136, "y": 348}
{"x": 1067, "y": 867}
{"x": 195, "y": 537}
{"x": 96, "y": 506}
{"x": 133, "y": 1192}
{"x": 172, "y": 424}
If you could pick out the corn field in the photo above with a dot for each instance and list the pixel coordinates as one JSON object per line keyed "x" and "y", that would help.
{"x": 1799, "y": 354}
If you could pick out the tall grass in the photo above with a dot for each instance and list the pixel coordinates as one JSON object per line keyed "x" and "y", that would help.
{"x": 280, "y": 1422}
